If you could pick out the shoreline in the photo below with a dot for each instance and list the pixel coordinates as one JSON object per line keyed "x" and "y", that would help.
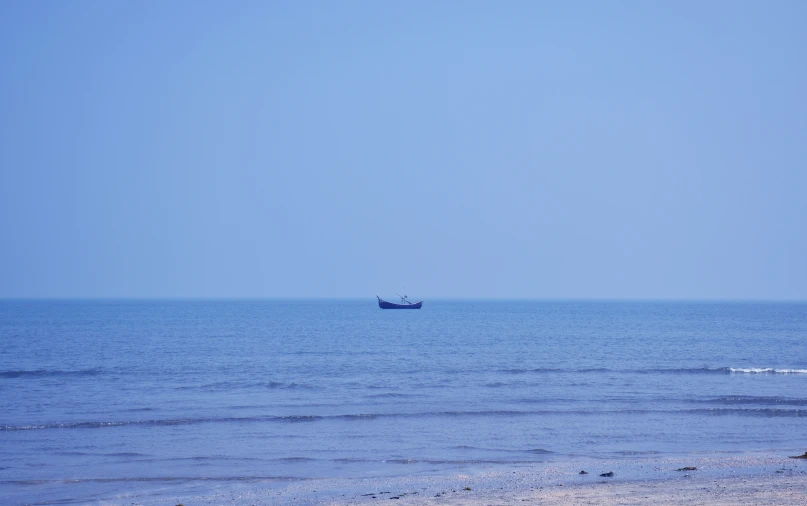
{"x": 748, "y": 478}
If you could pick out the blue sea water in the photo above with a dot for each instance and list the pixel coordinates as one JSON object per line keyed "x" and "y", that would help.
{"x": 100, "y": 398}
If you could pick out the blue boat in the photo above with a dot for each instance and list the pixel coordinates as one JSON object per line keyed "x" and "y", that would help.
{"x": 405, "y": 304}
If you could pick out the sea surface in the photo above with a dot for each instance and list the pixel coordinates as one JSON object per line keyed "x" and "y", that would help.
{"x": 124, "y": 400}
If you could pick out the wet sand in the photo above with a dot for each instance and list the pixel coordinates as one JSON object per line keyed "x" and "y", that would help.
{"x": 718, "y": 479}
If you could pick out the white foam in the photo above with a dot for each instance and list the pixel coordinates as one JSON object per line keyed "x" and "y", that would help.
{"x": 766, "y": 370}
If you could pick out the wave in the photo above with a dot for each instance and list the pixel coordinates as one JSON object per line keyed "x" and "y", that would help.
{"x": 536, "y": 451}
{"x": 170, "y": 422}
{"x": 539, "y": 451}
{"x": 390, "y": 395}
{"x": 178, "y": 479}
{"x": 431, "y": 461}
{"x": 539, "y": 370}
{"x": 767, "y": 370}
{"x": 678, "y": 370}
{"x": 293, "y": 459}
{"x": 363, "y": 417}
{"x": 271, "y": 385}
{"x": 751, "y": 399}
{"x": 234, "y": 385}
{"x": 727, "y": 370}
{"x": 97, "y": 454}
{"x": 762, "y": 412}
{"x": 46, "y": 373}
{"x": 269, "y": 418}
{"x": 202, "y": 458}
{"x": 456, "y": 462}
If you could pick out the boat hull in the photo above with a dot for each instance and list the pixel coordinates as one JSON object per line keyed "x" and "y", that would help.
{"x": 389, "y": 305}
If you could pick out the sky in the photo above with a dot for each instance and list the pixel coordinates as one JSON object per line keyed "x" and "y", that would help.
{"x": 580, "y": 149}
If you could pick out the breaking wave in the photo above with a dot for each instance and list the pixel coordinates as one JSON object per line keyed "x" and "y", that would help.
{"x": 752, "y": 399}
{"x": 766, "y": 370}
{"x": 679, "y": 370}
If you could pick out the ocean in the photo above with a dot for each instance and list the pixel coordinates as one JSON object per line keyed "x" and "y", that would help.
{"x": 121, "y": 400}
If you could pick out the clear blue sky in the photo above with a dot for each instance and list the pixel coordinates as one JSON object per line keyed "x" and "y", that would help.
{"x": 456, "y": 148}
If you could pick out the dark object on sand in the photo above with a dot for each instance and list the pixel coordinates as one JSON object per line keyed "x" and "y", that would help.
{"x": 688, "y": 468}
{"x": 800, "y": 456}
{"x": 405, "y": 304}
{"x": 609, "y": 474}
{"x": 583, "y": 472}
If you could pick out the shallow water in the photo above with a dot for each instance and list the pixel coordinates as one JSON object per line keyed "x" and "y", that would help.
{"x": 102, "y": 396}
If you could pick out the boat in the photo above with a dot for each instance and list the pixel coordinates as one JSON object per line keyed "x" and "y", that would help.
{"x": 405, "y": 303}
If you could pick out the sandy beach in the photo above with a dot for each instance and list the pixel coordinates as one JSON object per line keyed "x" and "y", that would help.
{"x": 750, "y": 478}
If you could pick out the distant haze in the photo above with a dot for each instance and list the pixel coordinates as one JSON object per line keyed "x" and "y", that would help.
{"x": 476, "y": 149}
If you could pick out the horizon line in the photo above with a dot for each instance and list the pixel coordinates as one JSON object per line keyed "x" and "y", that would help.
{"x": 436, "y": 298}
